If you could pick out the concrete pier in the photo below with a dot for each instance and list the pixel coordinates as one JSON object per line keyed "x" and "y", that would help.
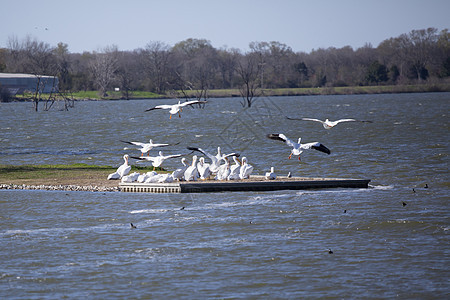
{"x": 255, "y": 183}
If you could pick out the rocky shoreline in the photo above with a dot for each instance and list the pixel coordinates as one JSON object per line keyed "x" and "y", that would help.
{"x": 72, "y": 188}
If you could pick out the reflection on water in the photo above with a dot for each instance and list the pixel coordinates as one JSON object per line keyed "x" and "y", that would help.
{"x": 234, "y": 245}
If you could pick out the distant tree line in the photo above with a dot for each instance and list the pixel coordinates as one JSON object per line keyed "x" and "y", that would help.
{"x": 194, "y": 64}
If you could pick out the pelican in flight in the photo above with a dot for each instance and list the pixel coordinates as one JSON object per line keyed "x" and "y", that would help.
{"x": 123, "y": 170}
{"x": 215, "y": 159}
{"x": 146, "y": 147}
{"x": 176, "y": 108}
{"x": 157, "y": 160}
{"x": 327, "y": 124}
{"x": 297, "y": 148}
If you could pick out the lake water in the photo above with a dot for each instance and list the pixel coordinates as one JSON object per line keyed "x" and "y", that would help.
{"x": 56, "y": 244}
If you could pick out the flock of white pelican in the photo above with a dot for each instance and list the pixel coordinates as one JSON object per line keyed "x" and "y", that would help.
{"x": 219, "y": 166}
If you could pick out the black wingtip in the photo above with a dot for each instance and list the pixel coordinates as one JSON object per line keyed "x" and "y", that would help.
{"x": 137, "y": 157}
{"x": 322, "y": 148}
{"x": 275, "y": 136}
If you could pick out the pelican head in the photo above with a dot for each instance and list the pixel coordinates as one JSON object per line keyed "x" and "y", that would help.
{"x": 161, "y": 153}
{"x": 183, "y": 161}
{"x": 299, "y": 141}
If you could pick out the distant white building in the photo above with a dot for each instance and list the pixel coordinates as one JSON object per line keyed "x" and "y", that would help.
{"x": 19, "y": 83}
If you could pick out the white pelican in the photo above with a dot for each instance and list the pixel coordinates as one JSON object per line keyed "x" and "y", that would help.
{"x": 176, "y": 108}
{"x": 246, "y": 169}
{"x": 143, "y": 177}
{"x": 191, "y": 173}
{"x": 146, "y": 147}
{"x": 123, "y": 170}
{"x": 297, "y": 148}
{"x": 271, "y": 175}
{"x": 234, "y": 169}
{"x": 215, "y": 159}
{"x": 165, "y": 178}
{"x": 157, "y": 160}
{"x": 178, "y": 174}
{"x": 131, "y": 177}
{"x": 152, "y": 177}
{"x": 224, "y": 170}
{"x": 203, "y": 169}
{"x": 327, "y": 124}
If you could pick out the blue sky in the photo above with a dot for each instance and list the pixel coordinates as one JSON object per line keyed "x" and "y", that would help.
{"x": 302, "y": 25}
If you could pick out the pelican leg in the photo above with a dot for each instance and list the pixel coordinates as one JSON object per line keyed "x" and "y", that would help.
{"x": 290, "y": 156}
{"x": 179, "y": 114}
{"x": 299, "y": 158}
{"x": 170, "y": 117}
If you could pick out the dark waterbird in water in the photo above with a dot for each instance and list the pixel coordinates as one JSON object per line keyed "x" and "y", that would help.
{"x": 404, "y": 204}
{"x": 133, "y": 226}
{"x": 426, "y": 186}
{"x": 330, "y": 251}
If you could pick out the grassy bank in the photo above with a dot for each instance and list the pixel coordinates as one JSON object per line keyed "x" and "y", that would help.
{"x": 75, "y": 174}
{"x": 221, "y": 93}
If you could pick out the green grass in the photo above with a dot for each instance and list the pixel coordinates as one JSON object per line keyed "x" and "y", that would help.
{"x": 10, "y": 173}
{"x": 219, "y": 93}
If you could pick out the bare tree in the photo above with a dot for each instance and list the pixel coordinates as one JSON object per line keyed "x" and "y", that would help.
{"x": 104, "y": 67}
{"x": 196, "y": 66}
{"x": 249, "y": 70}
{"x": 156, "y": 63}
{"x": 34, "y": 57}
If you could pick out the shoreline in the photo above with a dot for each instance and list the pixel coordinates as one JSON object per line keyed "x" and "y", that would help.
{"x": 68, "y": 188}
{"x": 280, "y": 92}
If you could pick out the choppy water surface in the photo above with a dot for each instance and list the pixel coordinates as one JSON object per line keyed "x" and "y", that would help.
{"x": 235, "y": 245}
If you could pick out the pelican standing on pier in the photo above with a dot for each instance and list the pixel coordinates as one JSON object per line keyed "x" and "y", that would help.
{"x": 191, "y": 173}
{"x": 123, "y": 170}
